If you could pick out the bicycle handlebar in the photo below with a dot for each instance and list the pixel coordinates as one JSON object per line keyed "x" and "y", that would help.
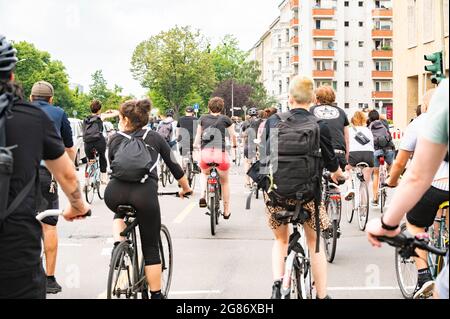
{"x": 328, "y": 178}
{"x": 410, "y": 243}
{"x": 56, "y": 213}
{"x": 176, "y": 194}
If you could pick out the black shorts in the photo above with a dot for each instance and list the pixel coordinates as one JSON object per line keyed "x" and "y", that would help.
{"x": 29, "y": 285}
{"x": 342, "y": 160}
{"x": 424, "y": 213}
{"x": 50, "y": 199}
{"x": 361, "y": 157}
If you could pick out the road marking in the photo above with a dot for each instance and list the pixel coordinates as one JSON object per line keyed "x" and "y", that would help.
{"x": 180, "y": 218}
{"x": 361, "y": 288}
{"x": 102, "y": 295}
{"x": 195, "y": 292}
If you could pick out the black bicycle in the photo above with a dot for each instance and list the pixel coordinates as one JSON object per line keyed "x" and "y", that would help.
{"x": 297, "y": 281}
{"x": 331, "y": 197}
{"x": 127, "y": 269}
{"x": 214, "y": 196}
{"x": 189, "y": 170}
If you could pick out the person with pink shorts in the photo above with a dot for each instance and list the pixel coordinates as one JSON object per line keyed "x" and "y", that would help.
{"x": 210, "y": 138}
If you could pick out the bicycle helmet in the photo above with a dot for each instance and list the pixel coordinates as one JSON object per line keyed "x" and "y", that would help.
{"x": 253, "y": 112}
{"x": 8, "y": 58}
{"x": 170, "y": 113}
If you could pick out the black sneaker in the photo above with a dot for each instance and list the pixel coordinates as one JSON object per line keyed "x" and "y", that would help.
{"x": 276, "y": 290}
{"x": 327, "y": 297}
{"x": 424, "y": 290}
{"x": 52, "y": 286}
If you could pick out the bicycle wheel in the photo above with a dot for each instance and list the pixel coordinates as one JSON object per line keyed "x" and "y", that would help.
{"x": 121, "y": 276}
{"x": 364, "y": 206}
{"x": 166, "y": 254}
{"x": 218, "y": 195}
{"x": 100, "y": 190}
{"x": 89, "y": 188}
{"x": 163, "y": 176}
{"x": 213, "y": 214}
{"x": 295, "y": 291}
{"x": 351, "y": 212}
{"x": 383, "y": 197}
{"x": 170, "y": 177}
{"x": 330, "y": 240}
{"x": 406, "y": 273}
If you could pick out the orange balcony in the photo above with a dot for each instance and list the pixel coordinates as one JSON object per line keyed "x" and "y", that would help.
{"x": 295, "y": 59}
{"x": 294, "y": 4}
{"x": 294, "y": 22}
{"x": 383, "y": 95}
{"x": 382, "y": 74}
{"x": 323, "y": 74}
{"x": 324, "y": 33}
{"x": 382, "y": 54}
{"x": 385, "y": 13}
{"x": 323, "y": 53}
{"x": 295, "y": 41}
{"x": 382, "y": 33}
{"x": 323, "y": 12}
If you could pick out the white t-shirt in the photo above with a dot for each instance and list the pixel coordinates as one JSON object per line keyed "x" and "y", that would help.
{"x": 409, "y": 143}
{"x": 355, "y": 146}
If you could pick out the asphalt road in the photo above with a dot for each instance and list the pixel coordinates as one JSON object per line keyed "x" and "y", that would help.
{"x": 236, "y": 264}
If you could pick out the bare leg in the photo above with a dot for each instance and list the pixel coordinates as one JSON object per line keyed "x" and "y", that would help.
{"x": 153, "y": 275}
{"x": 203, "y": 181}
{"x": 279, "y": 251}
{"x": 421, "y": 262}
{"x": 224, "y": 181}
{"x": 118, "y": 227}
{"x": 318, "y": 263}
{"x": 376, "y": 179}
{"x": 50, "y": 248}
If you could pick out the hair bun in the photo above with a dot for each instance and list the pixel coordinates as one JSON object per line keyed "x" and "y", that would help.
{"x": 144, "y": 104}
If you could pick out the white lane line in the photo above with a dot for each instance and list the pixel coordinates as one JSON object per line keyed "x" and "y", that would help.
{"x": 180, "y": 218}
{"x": 195, "y": 292}
{"x": 361, "y": 288}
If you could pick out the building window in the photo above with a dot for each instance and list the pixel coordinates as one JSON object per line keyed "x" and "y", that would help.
{"x": 324, "y": 65}
{"x": 346, "y": 3}
{"x": 279, "y": 41}
{"x": 361, "y": 105}
{"x": 383, "y": 65}
{"x": 361, "y": 64}
{"x": 361, "y": 44}
{"x": 347, "y": 84}
{"x": 361, "y": 24}
{"x": 347, "y": 43}
{"x": 280, "y": 87}
{"x": 446, "y": 18}
{"x": 412, "y": 23}
{"x": 361, "y": 84}
{"x": 428, "y": 13}
{"x": 280, "y": 64}
{"x": 287, "y": 35}
{"x": 347, "y": 64}
{"x": 361, "y": 3}
{"x": 347, "y": 105}
{"x": 347, "y": 23}
{"x": 383, "y": 86}
{"x": 326, "y": 24}
{"x": 384, "y": 44}
{"x": 288, "y": 59}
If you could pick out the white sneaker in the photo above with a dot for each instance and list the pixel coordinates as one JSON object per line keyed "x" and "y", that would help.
{"x": 104, "y": 178}
{"x": 349, "y": 195}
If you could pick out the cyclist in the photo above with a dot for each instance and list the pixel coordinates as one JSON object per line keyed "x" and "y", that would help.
{"x": 424, "y": 213}
{"x": 186, "y": 129}
{"x": 384, "y": 147}
{"x": 361, "y": 148}
{"x": 237, "y": 121}
{"x": 249, "y": 133}
{"x": 301, "y": 96}
{"x": 142, "y": 196}
{"x": 93, "y": 136}
{"x": 337, "y": 121}
{"x": 211, "y": 135}
{"x": 431, "y": 148}
{"x": 42, "y": 96}
{"x": 167, "y": 128}
{"x": 21, "y": 272}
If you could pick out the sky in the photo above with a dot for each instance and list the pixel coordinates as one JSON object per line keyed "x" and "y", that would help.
{"x": 89, "y": 35}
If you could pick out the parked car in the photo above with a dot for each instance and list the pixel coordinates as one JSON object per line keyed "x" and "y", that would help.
{"x": 77, "y": 135}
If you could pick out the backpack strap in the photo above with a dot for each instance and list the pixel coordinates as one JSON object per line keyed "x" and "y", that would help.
{"x": 124, "y": 135}
{"x": 284, "y": 116}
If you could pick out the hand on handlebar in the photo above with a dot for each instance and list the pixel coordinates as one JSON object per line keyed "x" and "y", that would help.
{"x": 185, "y": 193}
{"x": 374, "y": 230}
{"x": 389, "y": 184}
{"x": 338, "y": 177}
{"x": 70, "y": 213}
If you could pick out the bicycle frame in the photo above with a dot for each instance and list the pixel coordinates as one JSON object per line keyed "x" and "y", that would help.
{"x": 438, "y": 240}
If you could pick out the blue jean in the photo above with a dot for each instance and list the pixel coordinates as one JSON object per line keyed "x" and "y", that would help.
{"x": 389, "y": 156}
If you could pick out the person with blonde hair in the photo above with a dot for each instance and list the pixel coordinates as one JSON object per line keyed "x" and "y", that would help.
{"x": 289, "y": 161}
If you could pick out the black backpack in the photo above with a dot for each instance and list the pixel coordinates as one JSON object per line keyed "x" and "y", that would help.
{"x": 7, "y": 164}
{"x": 381, "y": 136}
{"x": 92, "y": 129}
{"x": 298, "y": 173}
{"x": 133, "y": 161}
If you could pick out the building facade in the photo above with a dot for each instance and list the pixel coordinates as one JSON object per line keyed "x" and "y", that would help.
{"x": 421, "y": 28}
{"x": 344, "y": 44}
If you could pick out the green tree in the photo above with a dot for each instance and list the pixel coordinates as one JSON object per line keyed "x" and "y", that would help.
{"x": 174, "y": 65}
{"x": 98, "y": 90}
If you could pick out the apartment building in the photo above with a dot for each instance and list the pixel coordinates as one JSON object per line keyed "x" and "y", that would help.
{"x": 344, "y": 44}
{"x": 421, "y": 28}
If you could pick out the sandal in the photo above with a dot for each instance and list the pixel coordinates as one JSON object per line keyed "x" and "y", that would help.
{"x": 202, "y": 203}
{"x": 226, "y": 217}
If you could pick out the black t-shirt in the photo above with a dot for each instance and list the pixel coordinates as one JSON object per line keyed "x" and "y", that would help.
{"x": 336, "y": 119}
{"x": 37, "y": 139}
{"x": 211, "y": 127}
{"x": 158, "y": 146}
{"x": 187, "y": 123}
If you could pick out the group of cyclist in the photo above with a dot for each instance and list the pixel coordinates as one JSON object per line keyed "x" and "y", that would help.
{"x": 45, "y": 148}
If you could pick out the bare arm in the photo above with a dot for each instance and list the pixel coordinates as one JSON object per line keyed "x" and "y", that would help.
{"x": 109, "y": 114}
{"x": 64, "y": 173}
{"x": 72, "y": 154}
{"x": 347, "y": 143}
{"x": 398, "y": 167}
{"x": 428, "y": 157}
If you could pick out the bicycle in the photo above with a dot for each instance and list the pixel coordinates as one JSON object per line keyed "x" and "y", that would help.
{"x": 92, "y": 180}
{"x": 188, "y": 167}
{"x": 214, "y": 196}
{"x": 382, "y": 193}
{"x": 127, "y": 269}
{"x": 360, "y": 202}
{"x": 406, "y": 270}
{"x": 165, "y": 176}
{"x": 297, "y": 281}
{"x": 331, "y": 197}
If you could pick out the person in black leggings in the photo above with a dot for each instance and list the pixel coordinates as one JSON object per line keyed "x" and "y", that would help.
{"x": 143, "y": 197}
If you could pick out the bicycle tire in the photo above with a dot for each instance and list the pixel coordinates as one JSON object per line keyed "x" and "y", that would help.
{"x": 89, "y": 190}
{"x": 383, "y": 197}
{"x": 218, "y": 195}
{"x": 100, "y": 191}
{"x": 163, "y": 176}
{"x": 351, "y": 212}
{"x": 119, "y": 257}
{"x": 170, "y": 177}
{"x": 166, "y": 254}
{"x": 406, "y": 283}
{"x": 331, "y": 243}
{"x": 364, "y": 206}
{"x": 296, "y": 286}
{"x": 213, "y": 215}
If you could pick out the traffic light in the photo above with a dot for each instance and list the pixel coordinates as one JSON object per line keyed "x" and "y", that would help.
{"x": 437, "y": 68}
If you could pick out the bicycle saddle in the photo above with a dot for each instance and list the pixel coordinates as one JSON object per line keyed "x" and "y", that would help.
{"x": 213, "y": 165}
{"x": 128, "y": 211}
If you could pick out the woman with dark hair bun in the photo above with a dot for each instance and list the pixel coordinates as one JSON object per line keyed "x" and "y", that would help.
{"x": 93, "y": 137}
{"x": 143, "y": 197}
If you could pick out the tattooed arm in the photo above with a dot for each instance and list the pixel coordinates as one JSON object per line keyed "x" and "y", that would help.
{"x": 64, "y": 173}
